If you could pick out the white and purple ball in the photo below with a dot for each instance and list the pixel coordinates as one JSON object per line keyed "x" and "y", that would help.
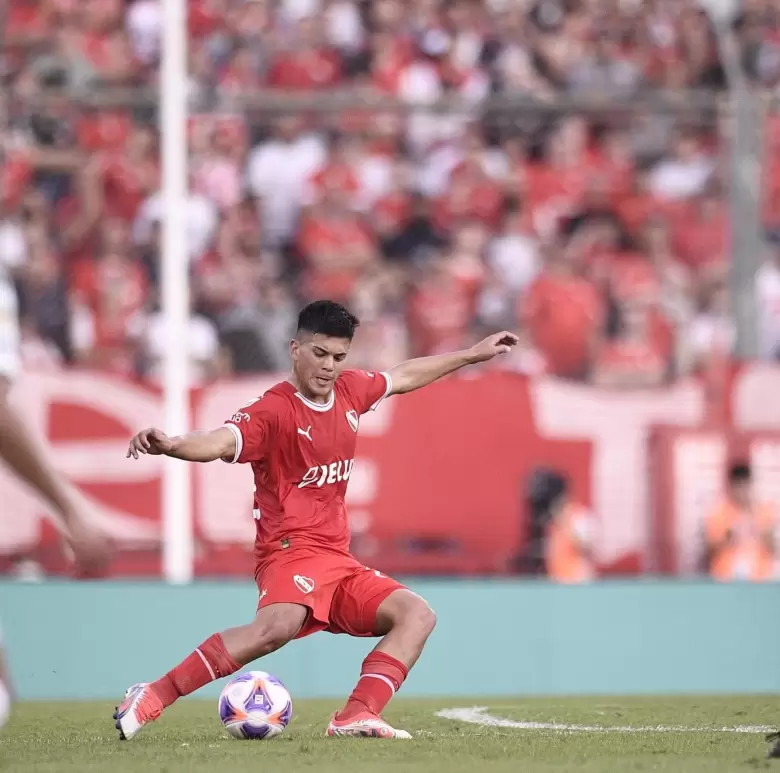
{"x": 255, "y": 705}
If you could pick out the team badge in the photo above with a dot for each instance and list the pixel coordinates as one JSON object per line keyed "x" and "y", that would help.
{"x": 353, "y": 420}
{"x": 304, "y": 584}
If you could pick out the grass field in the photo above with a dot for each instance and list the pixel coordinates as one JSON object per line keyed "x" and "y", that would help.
{"x": 80, "y": 738}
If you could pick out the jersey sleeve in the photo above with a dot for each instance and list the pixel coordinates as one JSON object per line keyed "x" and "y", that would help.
{"x": 255, "y": 426}
{"x": 367, "y": 389}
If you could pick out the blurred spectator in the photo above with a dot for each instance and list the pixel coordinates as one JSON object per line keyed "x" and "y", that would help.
{"x": 202, "y": 342}
{"x": 712, "y": 333}
{"x": 277, "y": 172}
{"x": 440, "y": 307}
{"x": 757, "y": 29}
{"x": 675, "y": 280}
{"x": 336, "y": 248}
{"x": 632, "y": 358}
{"x": 604, "y": 70}
{"x": 768, "y": 303}
{"x": 514, "y": 252}
{"x": 701, "y": 234}
{"x": 144, "y": 25}
{"x": 217, "y": 174}
{"x": 108, "y": 293}
{"x": 565, "y": 312}
{"x": 200, "y": 222}
{"x": 685, "y": 173}
{"x": 410, "y": 234}
{"x": 43, "y": 297}
{"x": 742, "y": 532}
{"x": 309, "y": 63}
{"x": 561, "y": 531}
{"x": 257, "y": 333}
{"x": 570, "y": 539}
{"x": 13, "y": 242}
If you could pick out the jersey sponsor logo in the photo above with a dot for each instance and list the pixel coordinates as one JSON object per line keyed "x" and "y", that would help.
{"x": 237, "y": 418}
{"x": 327, "y": 474}
{"x": 353, "y": 420}
{"x": 304, "y": 584}
{"x": 306, "y": 432}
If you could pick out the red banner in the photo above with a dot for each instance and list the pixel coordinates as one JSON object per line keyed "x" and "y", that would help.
{"x": 438, "y": 482}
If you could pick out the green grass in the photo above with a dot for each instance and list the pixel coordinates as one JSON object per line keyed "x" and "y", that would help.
{"x": 80, "y": 738}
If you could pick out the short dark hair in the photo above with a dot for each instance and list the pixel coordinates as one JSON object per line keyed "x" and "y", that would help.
{"x": 327, "y": 318}
{"x": 739, "y": 472}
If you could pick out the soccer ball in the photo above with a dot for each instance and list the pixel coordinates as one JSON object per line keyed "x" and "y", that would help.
{"x": 255, "y": 705}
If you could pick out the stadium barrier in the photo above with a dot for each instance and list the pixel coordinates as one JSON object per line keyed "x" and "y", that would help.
{"x": 91, "y": 640}
{"x": 438, "y": 483}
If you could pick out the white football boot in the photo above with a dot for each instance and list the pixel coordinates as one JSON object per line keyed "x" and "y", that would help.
{"x": 364, "y": 725}
{"x": 140, "y": 707}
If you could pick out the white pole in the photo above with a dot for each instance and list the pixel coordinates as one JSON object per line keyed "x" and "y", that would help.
{"x": 177, "y": 495}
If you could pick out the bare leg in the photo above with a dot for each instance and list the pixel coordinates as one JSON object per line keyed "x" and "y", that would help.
{"x": 220, "y": 655}
{"x": 22, "y": 453}
{"x": 30, "y": 462}
{"x": 225, "y": 653}
{"x": 272, "y": 628}
{"x": 406, "y": 621}
{"x": 6, "y": 690}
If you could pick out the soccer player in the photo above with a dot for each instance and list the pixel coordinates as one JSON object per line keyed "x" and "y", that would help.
{"x": 300, "y": 439}
{"x": 29, "y": 461}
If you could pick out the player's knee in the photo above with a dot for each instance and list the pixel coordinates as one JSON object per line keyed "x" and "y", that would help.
{"x": 269, "y": 637}
{"x": 275, "y": 629}
{"x": 415, "y": 614}
{"x": 425, "y": 618}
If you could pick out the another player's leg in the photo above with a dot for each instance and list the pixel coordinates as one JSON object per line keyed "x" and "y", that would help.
{"x": 220, "y": 655}
{"x": 25, "y": 457}
{"x": 6, "y": 692}
{"x": 405, "y": 621}
{"x": 774, "y": 751}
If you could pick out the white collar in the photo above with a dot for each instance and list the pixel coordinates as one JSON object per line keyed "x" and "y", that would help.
{"x": 322, "y": 407}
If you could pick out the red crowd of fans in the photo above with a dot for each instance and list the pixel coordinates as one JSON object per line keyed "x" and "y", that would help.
{"x": 600, "y": 233}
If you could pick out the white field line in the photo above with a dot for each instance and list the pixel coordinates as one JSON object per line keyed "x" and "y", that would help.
{"x": 477, "y": 715}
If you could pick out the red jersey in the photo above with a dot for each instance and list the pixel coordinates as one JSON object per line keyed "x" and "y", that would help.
{"x": 302, "y": 454}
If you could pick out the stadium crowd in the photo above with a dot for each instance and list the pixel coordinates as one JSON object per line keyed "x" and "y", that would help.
{"x": 599, "y": 232}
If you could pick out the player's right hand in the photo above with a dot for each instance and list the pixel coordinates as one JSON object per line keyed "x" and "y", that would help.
{"x": 149, "y": 441}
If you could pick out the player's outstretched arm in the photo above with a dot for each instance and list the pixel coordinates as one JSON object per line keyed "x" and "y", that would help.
{"x": 194, "y": 447}
{"x": 413, "y": 374}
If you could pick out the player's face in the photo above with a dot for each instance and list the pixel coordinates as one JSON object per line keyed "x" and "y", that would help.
{"x": 317, "y": 362}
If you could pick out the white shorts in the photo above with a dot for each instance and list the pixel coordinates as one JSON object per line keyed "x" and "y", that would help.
{"x": 10, "y": 361}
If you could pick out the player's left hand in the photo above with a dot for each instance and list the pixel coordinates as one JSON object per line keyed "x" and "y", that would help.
{"x": 498, "y": 343}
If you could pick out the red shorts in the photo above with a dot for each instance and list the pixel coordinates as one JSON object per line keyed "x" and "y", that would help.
{"x": 342, "y": 594}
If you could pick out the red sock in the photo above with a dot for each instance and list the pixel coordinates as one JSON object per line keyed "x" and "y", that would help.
{"x": 208, "y": 662}
{"x": 380, "y": 678}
